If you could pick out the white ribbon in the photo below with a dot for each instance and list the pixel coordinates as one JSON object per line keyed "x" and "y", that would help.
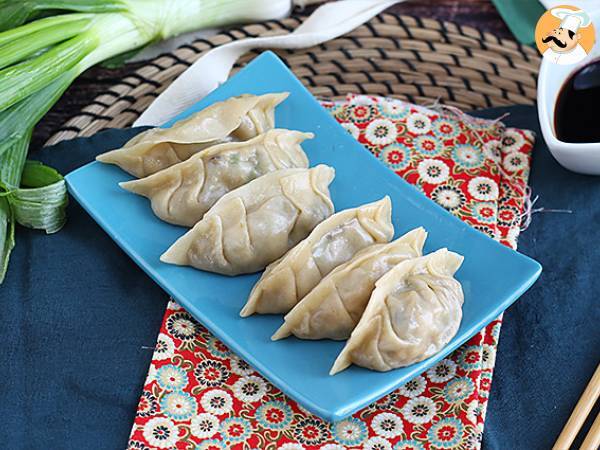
{"x": 327, "y": 22}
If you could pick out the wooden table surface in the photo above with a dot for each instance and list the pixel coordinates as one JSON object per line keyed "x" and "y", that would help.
{"x": 478, "y": 13}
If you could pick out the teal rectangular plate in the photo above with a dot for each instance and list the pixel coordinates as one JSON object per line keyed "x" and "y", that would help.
{"x": 493, "y": 276}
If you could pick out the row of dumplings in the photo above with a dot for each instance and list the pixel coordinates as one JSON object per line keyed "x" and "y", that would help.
{"x": 252, "y": 201}
{"x": 346, "y": 280}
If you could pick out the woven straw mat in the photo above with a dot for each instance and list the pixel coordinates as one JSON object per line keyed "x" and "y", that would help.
{"x": 419, "y": 60}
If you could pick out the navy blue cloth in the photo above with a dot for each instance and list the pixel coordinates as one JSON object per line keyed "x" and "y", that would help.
{"x": 550, "y": 339}
{"x": 79, "y": 319}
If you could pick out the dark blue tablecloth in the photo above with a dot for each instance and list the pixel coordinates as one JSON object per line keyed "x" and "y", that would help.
{"x": 79, "y": 319}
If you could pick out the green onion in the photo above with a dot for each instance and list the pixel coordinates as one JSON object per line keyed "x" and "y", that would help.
{"x": 44, "y": 46}
{"x": 42, "y": 200}
{"x": 17, "y": 12}
{"x": 12, "y": 162}
{"x": 7, "y": 235}
{"x": 66, "y": 28}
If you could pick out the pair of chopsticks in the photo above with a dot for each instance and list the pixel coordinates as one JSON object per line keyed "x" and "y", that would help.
{"x": 578, "y": 417}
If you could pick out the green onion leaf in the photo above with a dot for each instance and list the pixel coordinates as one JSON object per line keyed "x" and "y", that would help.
{"x": 36, "y": 174}
{"x": 42, "y": 207}
{"x": 17, "y": 50}
{"x": 19, "y": 81}
{"x": 11, "y": 36}
{"x": 16, "y": 12}
{"x": 12, "y": 163}
{"x": 17, "y": 121}
{"x": 7, "y": 236}
{"x": 11, "y": 166}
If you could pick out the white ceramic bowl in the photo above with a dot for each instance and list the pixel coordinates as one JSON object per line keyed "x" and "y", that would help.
{"x": 582, "y": 158}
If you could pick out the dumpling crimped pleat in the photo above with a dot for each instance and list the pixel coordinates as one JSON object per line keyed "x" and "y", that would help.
{"x": 414, "y": 311}
{"x": 334, "y": 307}
{"x": 256, "y": 223}
{"x": 183, "y": 193}
{"x": 333, "y": 242}
{"x": 238, "y": 118}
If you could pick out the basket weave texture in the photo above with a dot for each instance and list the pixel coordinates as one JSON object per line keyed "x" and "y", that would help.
{"x": 415, "y": 59}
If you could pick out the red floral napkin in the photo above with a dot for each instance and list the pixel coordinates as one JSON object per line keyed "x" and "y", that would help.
{"x": 199, "y": 395}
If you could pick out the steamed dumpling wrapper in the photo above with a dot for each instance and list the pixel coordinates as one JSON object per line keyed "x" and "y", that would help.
{"x": 334, "y": 307}
{"x": 256, "y": 223}
{"x": 414, "y": 311}
{"x": 183, "y": 193}
{"x": 330, "y": 244}
{"x": 238, "y": 118}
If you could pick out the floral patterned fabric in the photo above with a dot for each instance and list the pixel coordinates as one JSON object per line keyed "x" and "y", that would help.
{"x": 199, "y": 395}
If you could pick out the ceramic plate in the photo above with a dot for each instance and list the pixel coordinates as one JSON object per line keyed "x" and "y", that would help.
{"x": 493, "y": 276}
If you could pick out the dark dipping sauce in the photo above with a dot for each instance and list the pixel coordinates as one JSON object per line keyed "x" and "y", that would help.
{"x": 577, "y": 113}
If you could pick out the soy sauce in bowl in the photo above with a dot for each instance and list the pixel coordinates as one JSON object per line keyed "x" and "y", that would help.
{"x": 577, "y": 112}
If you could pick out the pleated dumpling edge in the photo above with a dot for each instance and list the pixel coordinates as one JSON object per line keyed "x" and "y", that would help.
{"x": 256, "y": 223}
{"x": 414, "y": 311}
{"x": 181, "y": 194}
{"x": 333, "y": 308}
{"x": 237, "y": 118}
{"x": 331, "y": 243}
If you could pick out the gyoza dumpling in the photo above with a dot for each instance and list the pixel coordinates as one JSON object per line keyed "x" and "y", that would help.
{"x": 330, "y": 244}
{"x": 334, "y": 307}
{"x": 414, "y": 311}
{"x": 256, "y": 223}
{"x": 238, "y": 118}
{"x": 183, "y": 193}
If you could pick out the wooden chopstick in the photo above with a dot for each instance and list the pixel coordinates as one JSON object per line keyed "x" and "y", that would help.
{"x": 592, "y": 440}
{"x": 578, "y": 416}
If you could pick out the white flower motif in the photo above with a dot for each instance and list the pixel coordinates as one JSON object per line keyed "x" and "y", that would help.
{"x": 418, "y": 123}
{"x": 160, "y": 432}
{"x": 217, "y": 402}
{"x": 414, "y": 387}
{"x": 352, "y": 129}
{"x": 458, "y": 390}
{"x": 492, "y": 150}
{"x": 449, "y": 197}
{"x": 395, "y": 109}
{"x": 178, "y": 405}
{"x": 433, "y": 171}
{"x": 419, "y": 410}
{"x": 483, "y": 188}
{"x": 362, "y": 100}
{"x": 250, "y": 389}
{"x": 512, "y": 141}
{"x": 290, "y": 446}
{"x": 387, "y": 425}
{"x": 468, "y": 156}
{"x": 350, "y": 431}
{"x": 240, "y": 367}
{"x": 381, "y": 132}
{"x": 332, "y": 447}
{"x": 488, "y": 356}
{"x": 171, "y": 377}
{"x": 515, "y": 161}
{"x": 378, "y": 443}
{"x": 473, "y": 411}
{"x": 442, "y": 371}
{"x": 181, "y": 326}
{"x": 165, "y": 347}
{"x": 204, "y": 425}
